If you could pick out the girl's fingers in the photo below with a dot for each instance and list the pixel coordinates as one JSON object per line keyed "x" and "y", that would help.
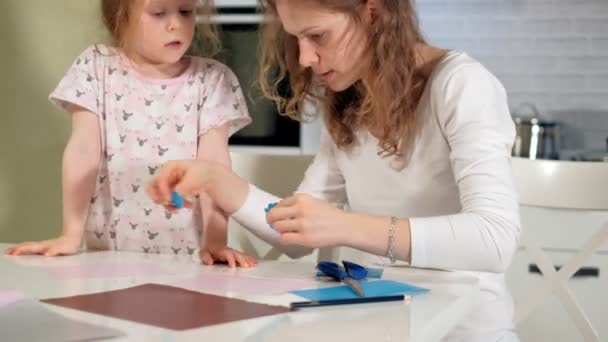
{"x": 154, "y": 192}
{"x": 241, "y": 260}
{"x": 251, "y": 260}
{"x": 53, "y": 251}
{"x": 206, "y": 258}
{"x": 170, "y": 175}
{"x": 230, "y": 259}
{"x": 30, "y": 248}
{"x": 190, "y": 185}
{"x": 170, "y": 208}
{"x": 45, "y": 249}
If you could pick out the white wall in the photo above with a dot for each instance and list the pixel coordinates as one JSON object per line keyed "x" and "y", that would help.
{"x": 550, "y": 52}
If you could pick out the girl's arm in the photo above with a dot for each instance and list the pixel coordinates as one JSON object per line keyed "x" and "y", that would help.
{"x": 213, "y": 147}
{"x": 81, "y": 159}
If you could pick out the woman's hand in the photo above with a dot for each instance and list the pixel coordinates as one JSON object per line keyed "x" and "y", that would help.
{"x": 63, "y": 245}
{"x": 307, "y": 221}
{"x": 192, "y": 177}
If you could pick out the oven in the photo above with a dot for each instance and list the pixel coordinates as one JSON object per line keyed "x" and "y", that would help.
{"x": 239, "y": 22}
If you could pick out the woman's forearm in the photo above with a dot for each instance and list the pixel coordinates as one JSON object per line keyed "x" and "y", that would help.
{"x": 370, "y": 234}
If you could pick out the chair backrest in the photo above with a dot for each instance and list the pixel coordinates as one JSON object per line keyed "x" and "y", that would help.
{"x": 561, "y": 184}
{"x": 279, "y": 175}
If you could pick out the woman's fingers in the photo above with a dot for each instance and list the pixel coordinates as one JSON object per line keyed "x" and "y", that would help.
{"x": 295, "y": 206}
{"x": 287, "y": 202}
{"x": 292, "y": 238}
{"x": 287, "y": 225}
{"x": 283, "y": 212}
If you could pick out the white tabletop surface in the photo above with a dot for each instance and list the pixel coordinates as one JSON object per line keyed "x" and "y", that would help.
{"x": 425, "y": 318}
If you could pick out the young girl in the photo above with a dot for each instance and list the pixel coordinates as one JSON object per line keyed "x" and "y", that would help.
{"x": 135, "y": 105}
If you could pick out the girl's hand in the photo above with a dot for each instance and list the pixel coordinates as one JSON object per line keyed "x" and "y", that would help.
{"x": 192, "y": 177}
{"x": 63, "y": 245}
{"x": 187, "y": 177}
{"x": 307, "y": 221}
{"x": 227, "y": 255}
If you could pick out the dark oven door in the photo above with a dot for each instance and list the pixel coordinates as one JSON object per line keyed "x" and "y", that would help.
{"x": 240, "y": 44}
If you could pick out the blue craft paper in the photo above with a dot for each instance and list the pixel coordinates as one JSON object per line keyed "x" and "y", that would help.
{"x": 267, "y": 209}
{"x": 177, "y": 200}
{"x": 371, "y": 273}
{"x": 378, "y": 288}
{"x": 270, "y": 206}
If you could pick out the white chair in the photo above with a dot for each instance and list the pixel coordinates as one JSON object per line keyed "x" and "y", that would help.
{"x": 563, "y": 185}
{"x": 277, "y": 174}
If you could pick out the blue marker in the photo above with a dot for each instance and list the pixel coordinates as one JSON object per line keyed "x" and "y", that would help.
{"x": 177, "y": 200}
{"x": 267, "y": 209}
{"x": 270, "y": 206}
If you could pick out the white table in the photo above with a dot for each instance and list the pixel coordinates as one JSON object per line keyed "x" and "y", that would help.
{"x": 426, "y": 318}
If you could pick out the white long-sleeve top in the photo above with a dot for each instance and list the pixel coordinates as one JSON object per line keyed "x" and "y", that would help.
{"x": 457, "y": 190}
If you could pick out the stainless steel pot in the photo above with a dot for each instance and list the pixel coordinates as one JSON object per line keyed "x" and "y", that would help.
{"x": 535, "y": 138}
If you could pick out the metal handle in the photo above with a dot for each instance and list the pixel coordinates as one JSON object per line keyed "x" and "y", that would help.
{"x": 531, "y": 106}
{"x": 582, "y": 272}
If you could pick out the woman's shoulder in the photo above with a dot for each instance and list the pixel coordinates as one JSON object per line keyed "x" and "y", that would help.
{"x": 458, "y": 70}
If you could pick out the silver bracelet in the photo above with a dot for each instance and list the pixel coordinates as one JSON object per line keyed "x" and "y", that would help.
{"x": 391, "y": 239}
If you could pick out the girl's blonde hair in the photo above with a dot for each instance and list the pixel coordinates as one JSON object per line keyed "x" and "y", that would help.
{"x": 118, "y": 16}
{"x": 385, "y": 98}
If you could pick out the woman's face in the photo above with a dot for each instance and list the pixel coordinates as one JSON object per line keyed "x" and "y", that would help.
{"x": 331, "y": 43}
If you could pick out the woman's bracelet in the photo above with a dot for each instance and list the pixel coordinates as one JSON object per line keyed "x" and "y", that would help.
{"x": 391, "y": 239}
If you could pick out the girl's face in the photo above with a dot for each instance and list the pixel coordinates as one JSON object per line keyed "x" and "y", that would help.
{"x": 164, "y": 31}
{"x": 330, "y": 43}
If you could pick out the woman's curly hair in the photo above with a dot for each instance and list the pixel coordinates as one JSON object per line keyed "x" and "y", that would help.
{"x": 383, "y": 101}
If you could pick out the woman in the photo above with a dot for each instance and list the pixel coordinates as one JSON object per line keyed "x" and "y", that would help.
{"x": 417, "y": 150}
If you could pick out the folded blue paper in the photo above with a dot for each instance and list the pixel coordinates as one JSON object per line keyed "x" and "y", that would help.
{"x": 371, "y": 273}
{"x": 377, "y": 288}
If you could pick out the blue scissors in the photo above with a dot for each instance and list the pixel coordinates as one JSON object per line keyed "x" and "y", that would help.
{"x": 351, "y": 274}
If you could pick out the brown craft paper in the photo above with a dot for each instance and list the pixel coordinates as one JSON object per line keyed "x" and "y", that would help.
{"x": 167, "y": 306}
